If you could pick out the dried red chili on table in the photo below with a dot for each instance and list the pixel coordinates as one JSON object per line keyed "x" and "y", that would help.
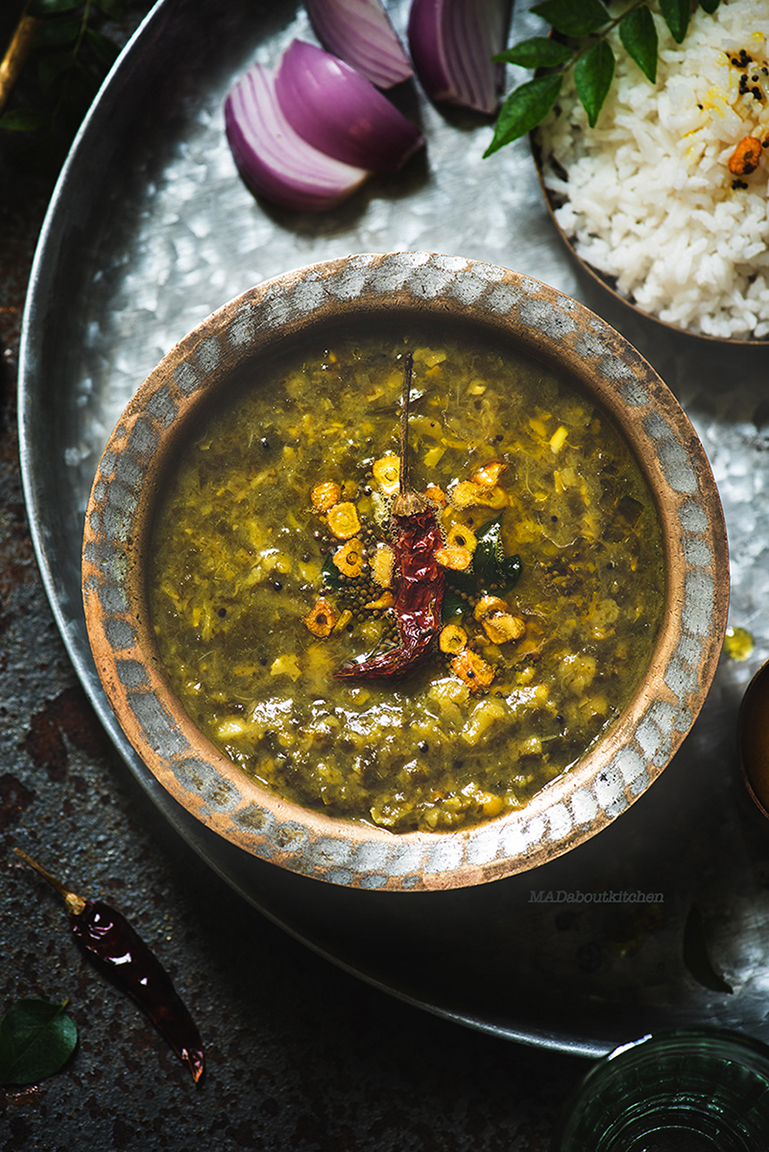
{"x": 119, "y": 951}
{"x": 418, "y": 577}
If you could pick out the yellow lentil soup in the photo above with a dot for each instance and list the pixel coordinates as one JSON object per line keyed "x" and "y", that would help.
{"x": 274, "y": 566}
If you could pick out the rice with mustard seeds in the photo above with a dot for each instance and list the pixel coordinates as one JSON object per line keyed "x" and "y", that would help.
{"x": 649, "y": 197}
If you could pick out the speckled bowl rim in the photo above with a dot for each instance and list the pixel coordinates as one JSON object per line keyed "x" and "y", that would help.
{"x": 545, "y": 324}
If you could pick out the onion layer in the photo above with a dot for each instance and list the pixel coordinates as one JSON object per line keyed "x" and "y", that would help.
{"x": 452, "y": 43}
{"x": 334, "y": 108}
{"x": 360, "y": 33}
{"x": 272, "y": 159}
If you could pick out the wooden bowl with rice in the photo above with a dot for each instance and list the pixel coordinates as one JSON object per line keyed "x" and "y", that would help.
{"x": 664, "y": 201}
{"x": 245, "y": 557}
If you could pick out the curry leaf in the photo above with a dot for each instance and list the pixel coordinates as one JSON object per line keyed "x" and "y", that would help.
{"x": 36, "y": 1040}
{"x": 528, "y": 105}
{"x": 454, "y": 601}
{"x": 538, "y": 52}
{"x": 22, "y": 120}
{"x": 695, "y": 953}
{"x": 524, "y": 108}
{"x": 115, "y": 9}
{"x": 63, "y": 30}
{"x": 491, "y": 566}
{"x": 87, "y": 83}
{"x": 102, "y": 47}
{"x": 68, "y": 60}
{"x": 593, "y": 74}
{"x": 638, "y": 34}
{"x": 43, "y": 8}
{"x": 51, "y": 66}
{"x": 676, "y": 15}
{"x": 332, "y": 577}
{"x": 491, "y": 569}
{"x": 573, "y": 19}
{"x": 510, "y": 568}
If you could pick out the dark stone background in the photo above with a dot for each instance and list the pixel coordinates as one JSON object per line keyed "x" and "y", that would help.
{"x": 300, "y": 1055}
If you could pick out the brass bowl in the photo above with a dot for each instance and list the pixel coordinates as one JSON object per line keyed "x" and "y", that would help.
{"x": 502, "y": 305}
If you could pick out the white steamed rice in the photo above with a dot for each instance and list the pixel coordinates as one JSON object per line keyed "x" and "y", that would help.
{"x": 649, "y": 196}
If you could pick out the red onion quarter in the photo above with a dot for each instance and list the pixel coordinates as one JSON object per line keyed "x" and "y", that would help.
{"x": 360, "y": 33}
{"x": 273, "y": 160}
{"x": 334, "y": 108}
{"x": 452, "y": 43}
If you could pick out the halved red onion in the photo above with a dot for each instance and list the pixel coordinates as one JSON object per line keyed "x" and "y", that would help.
{"x": 452, "y": 43}
{"x": 273, "y": 160}
{"x": 339, "y": 111}
{"x": 360, "y": 33}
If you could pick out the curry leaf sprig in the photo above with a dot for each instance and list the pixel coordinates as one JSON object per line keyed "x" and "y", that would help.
{"x": 581, "y": 44}
{"x": 56, "y": 67}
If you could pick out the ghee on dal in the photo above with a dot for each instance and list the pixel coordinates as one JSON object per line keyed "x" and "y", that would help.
{"x": 241, "y": 556}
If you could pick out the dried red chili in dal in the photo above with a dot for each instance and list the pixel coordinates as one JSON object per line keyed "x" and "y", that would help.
{"x": 275, "y": 566}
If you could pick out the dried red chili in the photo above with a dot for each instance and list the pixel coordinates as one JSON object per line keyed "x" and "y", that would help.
{"x": 120, "y": 952}
{"x": 418, "y": 578}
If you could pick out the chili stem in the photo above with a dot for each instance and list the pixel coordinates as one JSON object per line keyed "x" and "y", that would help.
{"x": 405, "y": 485}
{"x": 407, "y": 502}
{"x": 75, "y": 904}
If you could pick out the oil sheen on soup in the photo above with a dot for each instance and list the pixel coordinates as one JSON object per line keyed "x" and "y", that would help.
{"x": 275, "y": 564}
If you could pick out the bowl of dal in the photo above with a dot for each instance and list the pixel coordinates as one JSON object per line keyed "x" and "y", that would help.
{"x": 247, "y": 564}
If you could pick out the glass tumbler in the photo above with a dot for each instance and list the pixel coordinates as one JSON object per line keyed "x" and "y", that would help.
{"x": 698, "y": 1090}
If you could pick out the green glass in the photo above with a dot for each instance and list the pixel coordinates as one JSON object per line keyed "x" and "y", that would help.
{"x": 699, "y": 1090}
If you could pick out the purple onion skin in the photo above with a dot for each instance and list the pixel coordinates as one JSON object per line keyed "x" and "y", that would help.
{"x": 424, "y": 36}
{"x": 273, "y": 162}
{"x": 338, "y": 111}
{"x": 451, "y": 44}
{"x": 360, "y": 33}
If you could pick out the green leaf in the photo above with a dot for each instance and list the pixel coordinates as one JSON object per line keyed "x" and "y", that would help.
{"x": 525, "y": 108}
{"x": 87, "y": 85}
{"x": 22, "y": 120}
{"x": 51, "y": 66}
{"x": 573, "y": 17}
{"x": 43, "y": 8}
{"x": 332, "y": 577}
{"x": 488, "y": 552}
{"x": 103, "y": 48}
{"x": 593, "y": 74}
{"x": 492, "y": 567}
{"x": 454, "y": 604}
{"x": 510, "y": 570}
{"x": 539, "y": 52}
{"x": 695, "y": 954}
{"x": 115, "y": 9}
{"x": 676, "y": 15}
{"x": 638, "y": 34}
{"x": 62, "y": 30}
{"x": 709, "y": 6}
{"x": 36, "y": 1040}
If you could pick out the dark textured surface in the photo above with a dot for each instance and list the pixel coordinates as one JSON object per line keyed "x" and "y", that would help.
{"x": 299, "y": 1054}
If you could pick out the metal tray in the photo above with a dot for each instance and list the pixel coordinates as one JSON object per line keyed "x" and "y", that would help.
{"x": 149, "y": 230}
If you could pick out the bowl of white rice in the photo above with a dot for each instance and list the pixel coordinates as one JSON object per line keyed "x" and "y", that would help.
{"x": 665, "y": 199}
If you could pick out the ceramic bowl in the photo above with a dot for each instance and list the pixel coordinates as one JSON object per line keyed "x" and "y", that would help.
{"x": 540, "y": 322}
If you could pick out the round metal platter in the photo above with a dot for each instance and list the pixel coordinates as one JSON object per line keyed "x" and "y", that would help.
{"x": 150, "y": 229}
